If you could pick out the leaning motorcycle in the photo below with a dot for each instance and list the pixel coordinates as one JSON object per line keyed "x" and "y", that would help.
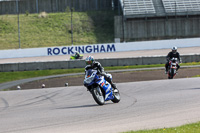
{"x": 73, "y": 57}
{"x": 100, "y": 89}
{"x": 173, "y": 63}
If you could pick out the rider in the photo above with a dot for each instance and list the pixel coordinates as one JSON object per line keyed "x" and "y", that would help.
{"x": 91, "y": 64}
{"x": 172, "y": 54}
{"x": 77, "y": 55}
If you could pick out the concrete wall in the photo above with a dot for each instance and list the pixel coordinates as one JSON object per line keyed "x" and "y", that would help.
{"x": 157, "y": 28}
{"x": 100, "y": 48}
{"x": 81, "y": 63}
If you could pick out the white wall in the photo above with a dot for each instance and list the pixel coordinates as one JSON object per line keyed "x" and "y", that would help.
{"x": 100, "y": 48}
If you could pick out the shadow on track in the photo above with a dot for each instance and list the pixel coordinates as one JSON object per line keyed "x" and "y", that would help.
{"x": 83, "y": 106}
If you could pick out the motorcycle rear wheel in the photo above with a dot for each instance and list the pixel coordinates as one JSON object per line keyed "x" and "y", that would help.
{"x": 98, "y": 95}
{"x": 116, "y": 97}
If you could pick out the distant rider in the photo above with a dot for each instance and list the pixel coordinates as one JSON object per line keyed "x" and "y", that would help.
{"x": 91, "y": 64}
{"x": 77, "y": 55}
{"x": 172, "y": 54}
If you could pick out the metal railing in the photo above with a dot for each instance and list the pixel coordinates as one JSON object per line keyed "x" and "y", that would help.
{"x": 37, "y": 6}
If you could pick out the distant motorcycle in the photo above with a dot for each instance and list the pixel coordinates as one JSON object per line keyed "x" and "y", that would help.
{"x": 73, "y": 57}
{"x": 172, "y": 68}
{"x": 100, "y": 89}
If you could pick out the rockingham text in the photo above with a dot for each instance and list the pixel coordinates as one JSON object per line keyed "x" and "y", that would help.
{"x": 81, "y": 49}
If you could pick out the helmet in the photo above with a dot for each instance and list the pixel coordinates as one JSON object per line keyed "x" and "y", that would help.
{"x": 76, "y": 52}
{"x": 174, "y": 50}
{"x": 89, "y": 60}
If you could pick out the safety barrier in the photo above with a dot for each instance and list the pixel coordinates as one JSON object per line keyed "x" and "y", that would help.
{"x": 146, "y": 60}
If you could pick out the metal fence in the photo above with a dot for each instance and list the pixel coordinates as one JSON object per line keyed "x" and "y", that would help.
{"x": 37, "y": 6}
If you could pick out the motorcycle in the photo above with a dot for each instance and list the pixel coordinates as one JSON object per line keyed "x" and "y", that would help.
{"x": 73, "y": 57}
{"x": 100, "y": 89}
{"x": 172, "y": 68}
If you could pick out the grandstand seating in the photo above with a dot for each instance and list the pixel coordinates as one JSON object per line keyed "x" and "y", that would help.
{"x": 138, "y": 7}
{"x": 159, "y": 8}
{"x": 181, "y": 5}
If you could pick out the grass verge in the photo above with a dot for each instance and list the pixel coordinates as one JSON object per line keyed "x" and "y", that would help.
{"x": 54, "y": 29}
{"x": 188, "y": 128}
{"x": 11, "y": 76}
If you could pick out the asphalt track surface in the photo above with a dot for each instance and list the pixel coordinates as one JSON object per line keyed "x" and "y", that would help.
{"x": 143, "y": 105}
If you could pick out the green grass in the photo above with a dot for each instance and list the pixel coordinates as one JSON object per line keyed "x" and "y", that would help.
{"x": 189, "y": 128}
{"x": 11, "y": 76}
{"x": 55, "y": 29}
{"x": 148, "y": 66}
{"x": 197, "y": 76}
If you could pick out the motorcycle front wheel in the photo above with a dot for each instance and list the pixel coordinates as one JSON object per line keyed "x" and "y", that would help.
{"x": 171, "y": 75}
{"x": 98, "y": 95}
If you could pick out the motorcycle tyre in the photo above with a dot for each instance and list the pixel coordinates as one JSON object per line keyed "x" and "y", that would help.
{"x": 171, "y": 75}
{"x": 116, "y": 98}
{"x": 94, "y": 92}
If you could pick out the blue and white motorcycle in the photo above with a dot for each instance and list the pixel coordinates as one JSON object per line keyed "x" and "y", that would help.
{"x": 100, "y": 89}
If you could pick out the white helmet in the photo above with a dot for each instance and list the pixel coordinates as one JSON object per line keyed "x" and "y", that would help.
{"x": 174, "y": 49}
{"x": 89, "y": 60}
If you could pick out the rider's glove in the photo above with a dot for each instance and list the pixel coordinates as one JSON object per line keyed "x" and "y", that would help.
{"x": 104, "y": 73}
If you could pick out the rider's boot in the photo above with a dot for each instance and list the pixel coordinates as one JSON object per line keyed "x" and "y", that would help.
{"x": 177, "y": 71}
{"x": 115, "y": 90}
{"x": 113, "y": 85}
{"x": 166, "y": 69}
{"x": 110, "y": 81}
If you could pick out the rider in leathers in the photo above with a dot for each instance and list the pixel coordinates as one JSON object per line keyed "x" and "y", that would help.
{"x": 77, "y": 55}
{"x": 91, "y": 64}
{"x": 170, "y": 55}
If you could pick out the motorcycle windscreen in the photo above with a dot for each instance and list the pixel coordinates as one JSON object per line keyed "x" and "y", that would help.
{"x": 89, "y": 77}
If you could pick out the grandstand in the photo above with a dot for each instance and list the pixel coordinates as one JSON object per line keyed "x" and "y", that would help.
{"x": 182, "y": 6}
{"x": 138, "y": 7}
{"x": 158, "y": 19}
{"x": 159, "y": 8}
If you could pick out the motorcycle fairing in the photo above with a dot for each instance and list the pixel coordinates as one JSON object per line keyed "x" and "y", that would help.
{"x": 106, "y": 87}
{"x": 172, "y": 66}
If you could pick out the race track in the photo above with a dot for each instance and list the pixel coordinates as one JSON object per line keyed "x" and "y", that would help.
{"x": 143, "y": 105}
